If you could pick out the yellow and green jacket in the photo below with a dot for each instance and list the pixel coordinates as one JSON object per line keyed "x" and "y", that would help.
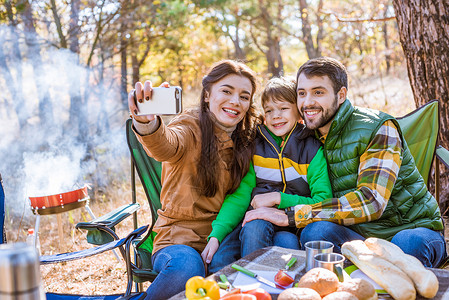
{"x": 295, "y": 167}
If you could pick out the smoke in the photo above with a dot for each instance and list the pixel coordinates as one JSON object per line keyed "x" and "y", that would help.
{"x": 39, "y": 158}
{"x": 62, "y": 171}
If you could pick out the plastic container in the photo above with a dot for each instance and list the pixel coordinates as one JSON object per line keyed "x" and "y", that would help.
{"x": 31, "y": 238}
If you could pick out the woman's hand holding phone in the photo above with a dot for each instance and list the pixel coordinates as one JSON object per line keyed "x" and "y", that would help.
{"x": 140, "y": 94}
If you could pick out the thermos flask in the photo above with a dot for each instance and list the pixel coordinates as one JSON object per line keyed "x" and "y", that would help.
{"x": 19, "y": 273}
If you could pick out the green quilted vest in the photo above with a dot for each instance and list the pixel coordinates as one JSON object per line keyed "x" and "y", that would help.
{"x": 410, "y": 205}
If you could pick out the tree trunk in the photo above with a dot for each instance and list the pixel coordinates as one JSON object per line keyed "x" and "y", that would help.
{"x": 386, "y": 40}
{"x": 20, "y": 109}
{"x": 103, "y": 126}
{"x": 123, "y": 68}
{"x": 136, "y": 68}
{"x": 424, "y": 33}
{"x": 239, "y": 53}
{"x": 272, "y": 42}
{"x": 16, "y": 96}
{"x": 274, "y": 58}
{"x": 78, "y": 107}
{"x": 307, "y": 37}
{"x": 34, "y": 55}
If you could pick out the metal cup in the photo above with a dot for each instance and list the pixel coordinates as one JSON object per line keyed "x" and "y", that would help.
{"x": 19, "y": 272}
{"x": 331, "y": 261}
{"x": 316, "y": 247}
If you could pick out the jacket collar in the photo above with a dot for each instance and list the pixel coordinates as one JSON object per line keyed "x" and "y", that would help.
{"x": 344, "y": 112}
{"x": 298, "y": 129}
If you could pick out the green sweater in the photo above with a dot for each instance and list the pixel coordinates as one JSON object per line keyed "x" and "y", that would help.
{"x": 235, "y": 205}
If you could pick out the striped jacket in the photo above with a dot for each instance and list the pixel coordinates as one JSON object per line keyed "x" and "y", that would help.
{"x": 285, "y": 169}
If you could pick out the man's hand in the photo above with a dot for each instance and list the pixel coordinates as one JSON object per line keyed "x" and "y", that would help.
{"x": 209, "y": 251}
{"x": 266, "y": 200}
{"x": 270, "y": 214}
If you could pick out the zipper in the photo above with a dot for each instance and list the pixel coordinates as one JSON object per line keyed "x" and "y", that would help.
{"x": 280, "y": 160}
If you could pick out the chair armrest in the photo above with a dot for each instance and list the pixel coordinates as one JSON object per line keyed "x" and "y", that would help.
{"x": 443, "y": 155}
{"x": 50, "y": 259}
{"x": 110, "y": 219}
{"x": 101, "y": 230}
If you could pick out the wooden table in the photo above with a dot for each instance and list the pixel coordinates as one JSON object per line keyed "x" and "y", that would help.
{"x": 274, "y": 258}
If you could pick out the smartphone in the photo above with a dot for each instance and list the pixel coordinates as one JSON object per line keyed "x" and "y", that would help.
{"x": 165, "y": 101}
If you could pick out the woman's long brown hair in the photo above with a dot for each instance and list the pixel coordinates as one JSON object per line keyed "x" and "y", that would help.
{"x": 208, "y": 176}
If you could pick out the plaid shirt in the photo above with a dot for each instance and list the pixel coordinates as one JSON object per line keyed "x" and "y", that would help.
{"x": 378, "y": 171}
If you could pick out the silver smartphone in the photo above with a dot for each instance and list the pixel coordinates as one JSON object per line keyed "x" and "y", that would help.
{"x": 165, "y": 101}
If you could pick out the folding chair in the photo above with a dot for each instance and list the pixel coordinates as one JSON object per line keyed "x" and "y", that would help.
{"x": 149, "y": 172}
{"x": 420, "y": 129}
{"x": 101, "y": 230}
{"x": 124, "y": 242}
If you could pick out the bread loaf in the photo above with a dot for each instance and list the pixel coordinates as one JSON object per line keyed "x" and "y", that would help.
{"x": 340, "y": 296}
{"x": 360, "y": 288}
{"x": 321, "y": 280}
{"x": 296, "y": 293}
{"x": 425, "y": 281}
{"x": 384, "y": 273}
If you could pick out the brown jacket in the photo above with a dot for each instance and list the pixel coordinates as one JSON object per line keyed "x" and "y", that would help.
{"x": 185, "y": 217}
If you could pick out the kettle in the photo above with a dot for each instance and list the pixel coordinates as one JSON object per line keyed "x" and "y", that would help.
{"x": 19, "y": 273}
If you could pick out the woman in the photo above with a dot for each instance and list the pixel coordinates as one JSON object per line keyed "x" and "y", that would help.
{"x": 205, "y": 153}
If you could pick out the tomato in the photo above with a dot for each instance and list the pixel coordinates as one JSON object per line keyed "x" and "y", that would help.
{"x": 233, "y": 291}
{"x": 239, "y": 296}
{"x": 260, "y": 294}
{"x": 283, "y": 278}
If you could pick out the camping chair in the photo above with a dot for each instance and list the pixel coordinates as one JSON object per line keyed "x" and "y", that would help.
{"x": 420, "y": 129}
{"x": 149, "y": 172}
{"x": 101, "y": 230}
{"x": 125, "y": 242}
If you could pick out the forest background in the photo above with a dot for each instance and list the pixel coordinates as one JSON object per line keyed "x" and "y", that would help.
{"x": 66, "y": 67}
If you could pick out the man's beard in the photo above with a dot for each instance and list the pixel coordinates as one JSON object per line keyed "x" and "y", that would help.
{"x": 326, "y": 117}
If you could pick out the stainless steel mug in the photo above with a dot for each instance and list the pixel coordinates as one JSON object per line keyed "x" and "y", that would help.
{"x": 19, "y": 273}
{"x": 313, "y": 248}
{"x": 331, "y": 261}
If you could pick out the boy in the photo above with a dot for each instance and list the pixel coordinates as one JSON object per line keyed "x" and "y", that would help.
{"x": 288, "y": 168}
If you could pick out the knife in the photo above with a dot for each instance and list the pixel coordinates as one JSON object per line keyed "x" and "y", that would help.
{"x": 254, "y": 275}
{"x": 290, "y": 263}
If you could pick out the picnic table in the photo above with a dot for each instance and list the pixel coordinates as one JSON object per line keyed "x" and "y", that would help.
{"x": 274, "y": 258}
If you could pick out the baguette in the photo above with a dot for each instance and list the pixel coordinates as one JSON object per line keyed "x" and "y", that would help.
{"x": 425, "y": 281}
{"x": 384, "y": 273}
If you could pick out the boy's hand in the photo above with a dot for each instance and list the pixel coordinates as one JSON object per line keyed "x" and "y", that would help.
{"x": 209, "y": 251}
{"x": 266, "y": 200}
{"x": 270, "y": 214}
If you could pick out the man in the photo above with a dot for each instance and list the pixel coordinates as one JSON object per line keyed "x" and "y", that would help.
{"x": 378, "y": 190}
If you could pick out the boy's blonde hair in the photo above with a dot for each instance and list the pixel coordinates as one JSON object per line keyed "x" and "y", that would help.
{"x": 279, "y": 89}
